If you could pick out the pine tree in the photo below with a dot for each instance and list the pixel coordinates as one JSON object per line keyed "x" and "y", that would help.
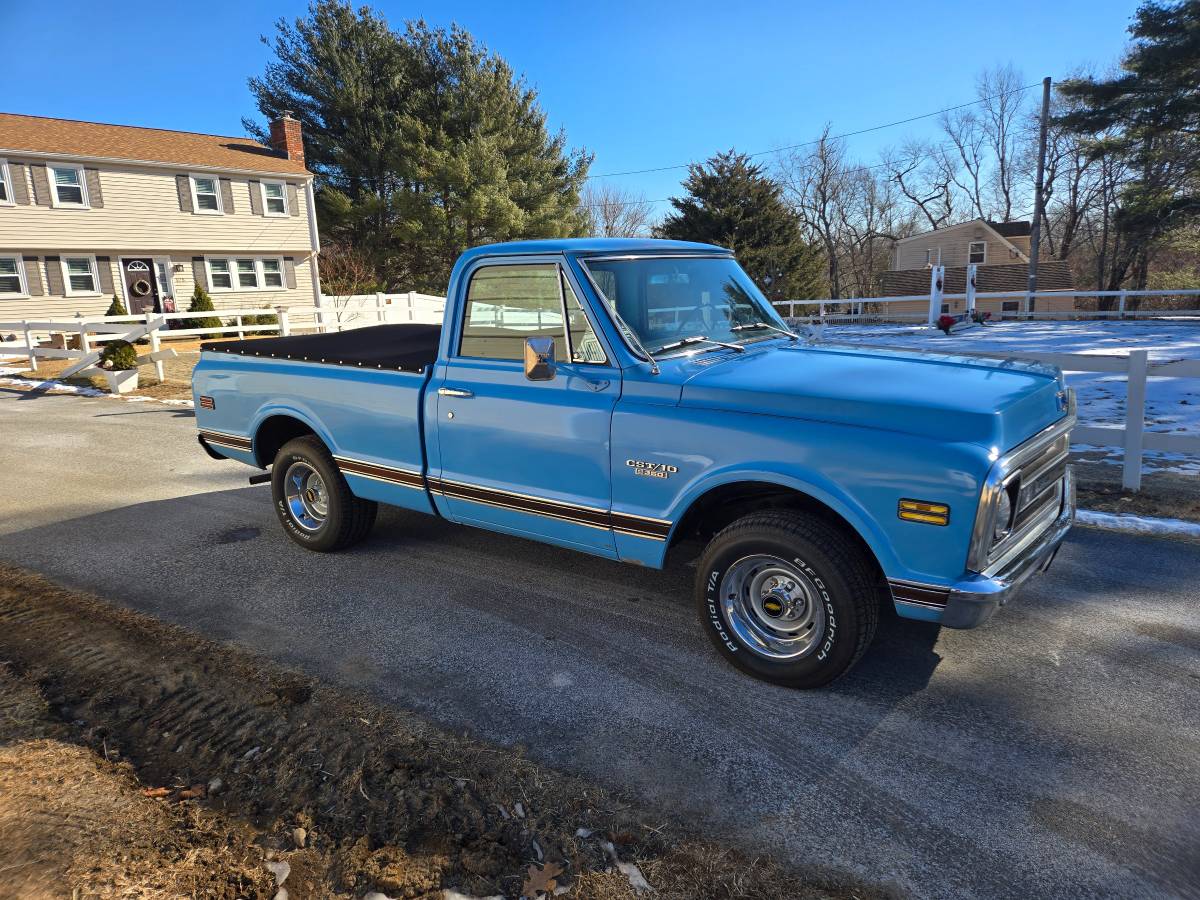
{"x": 201, "y": 303}
{"x": 1149, "y": 116}
{"x": 732, "y": 203}
{"x": 424, "y": 142}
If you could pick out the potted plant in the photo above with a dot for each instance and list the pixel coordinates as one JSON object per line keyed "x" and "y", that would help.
{"x": 119, "y": 362}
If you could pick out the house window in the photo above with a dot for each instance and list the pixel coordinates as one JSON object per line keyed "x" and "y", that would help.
{"x": 6, "y": 190}
{"x": 79, "y": 275}
{"x": 12, "y": 277}
{"x": 247, "y": 274}
{"x": 977, "y": 252}
{"x": 67, "y": 184}
{"x": 206, "y": 194}
{"x": 274, "y": 198}
{"x": 1011, "y": 306}
{"x": 272, "y": 273}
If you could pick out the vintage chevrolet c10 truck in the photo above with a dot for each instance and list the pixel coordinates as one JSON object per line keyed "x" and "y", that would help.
{"x": 622, "y": 396}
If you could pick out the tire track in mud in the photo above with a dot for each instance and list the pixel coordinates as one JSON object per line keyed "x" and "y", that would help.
{"x": 371, "y": 783}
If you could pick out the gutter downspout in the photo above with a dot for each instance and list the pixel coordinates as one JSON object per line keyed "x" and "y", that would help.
{"x": 315, "y": 242}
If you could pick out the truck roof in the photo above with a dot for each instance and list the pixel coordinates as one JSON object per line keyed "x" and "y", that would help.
{"x": 589, "y": 245}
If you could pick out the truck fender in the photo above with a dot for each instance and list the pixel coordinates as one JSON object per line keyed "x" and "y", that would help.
{"x": 809, "y": 483}
{"x": 303, "y": 416}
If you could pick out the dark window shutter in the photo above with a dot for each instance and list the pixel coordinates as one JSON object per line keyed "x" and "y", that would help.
{"x": 289, "y": 272}
{"x": 104, "y": 270}
{"x": 227, "y": 196}
{"x": 20, "y": 188}
{"x": 199, "y": 273}
{"x": 41, "y": 184}
{"x": 95, "y": 195}
{"x": 33, "y": 275}
{"x": 54, "y": 280}
{"x": 184, "y": 186}
{"x": 256, "y": 197}
{"x": 293, "y": 196}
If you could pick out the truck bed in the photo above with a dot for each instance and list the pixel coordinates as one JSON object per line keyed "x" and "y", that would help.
{"x": 405, "y": 348}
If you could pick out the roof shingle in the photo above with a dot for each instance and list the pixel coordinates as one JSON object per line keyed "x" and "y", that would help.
{"x": 1053, "y": 275}
{"x": 35, "y": 134}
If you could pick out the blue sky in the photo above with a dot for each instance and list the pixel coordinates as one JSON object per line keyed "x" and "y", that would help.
{"x": 639, "y": 84}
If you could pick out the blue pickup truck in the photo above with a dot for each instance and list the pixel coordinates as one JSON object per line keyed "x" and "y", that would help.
{"x": 624, "y": 397}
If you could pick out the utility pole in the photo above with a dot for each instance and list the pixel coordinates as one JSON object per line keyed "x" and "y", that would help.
{"x": 1035, "y": 232}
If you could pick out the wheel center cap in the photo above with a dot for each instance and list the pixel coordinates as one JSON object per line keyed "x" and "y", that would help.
{"x": 777, "y": 603}
{"x": 310, "y": 495}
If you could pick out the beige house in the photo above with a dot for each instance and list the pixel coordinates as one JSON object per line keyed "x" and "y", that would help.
{"x": 1000, "y": 250}
{"x": 89, "y": 211}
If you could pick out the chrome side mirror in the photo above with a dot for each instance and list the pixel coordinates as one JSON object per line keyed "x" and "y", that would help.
{"x": 539, "y": 358}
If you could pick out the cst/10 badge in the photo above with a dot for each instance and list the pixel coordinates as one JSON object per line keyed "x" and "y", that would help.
{"x": 651, "y": 469}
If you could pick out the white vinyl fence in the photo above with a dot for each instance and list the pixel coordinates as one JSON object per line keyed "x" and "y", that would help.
{"x": 869, "y": 310}
{"x": 78, "y": 338}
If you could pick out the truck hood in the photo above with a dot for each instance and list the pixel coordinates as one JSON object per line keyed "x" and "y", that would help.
{"x": 991, "y": 403}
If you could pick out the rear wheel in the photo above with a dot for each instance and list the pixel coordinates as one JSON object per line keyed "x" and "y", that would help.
{"x": 787, "y": 598}
{"x": 312, "y": 500}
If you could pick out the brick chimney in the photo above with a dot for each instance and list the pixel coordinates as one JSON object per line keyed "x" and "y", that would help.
{"x": 286, "y": 136}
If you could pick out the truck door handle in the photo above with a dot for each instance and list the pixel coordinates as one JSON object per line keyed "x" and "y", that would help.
{"x": 454, "y": 392}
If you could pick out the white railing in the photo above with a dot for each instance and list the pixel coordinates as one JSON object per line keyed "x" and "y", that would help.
{"x": 76, "y": 336}
{"x": 1132, "y": 436}
{"x": 1027, "y": 306}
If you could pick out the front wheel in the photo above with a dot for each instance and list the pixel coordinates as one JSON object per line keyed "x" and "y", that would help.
{"x": 312, "y": 500}
{"x": 787, "y": 598}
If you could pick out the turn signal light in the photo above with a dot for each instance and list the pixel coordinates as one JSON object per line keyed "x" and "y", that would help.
{"x": 924, "y": 511}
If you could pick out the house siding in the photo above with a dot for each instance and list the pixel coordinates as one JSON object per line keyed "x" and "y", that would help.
{"x": 55, "y": 305}
{"x": 953, "y": 243}
{"x": 142, "y": 210}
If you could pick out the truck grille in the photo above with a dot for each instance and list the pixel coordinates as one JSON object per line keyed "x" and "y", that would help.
{"x": 1034, "y": 477}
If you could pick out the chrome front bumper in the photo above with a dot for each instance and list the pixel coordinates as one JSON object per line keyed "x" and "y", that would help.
{"x": 972, "y": 602}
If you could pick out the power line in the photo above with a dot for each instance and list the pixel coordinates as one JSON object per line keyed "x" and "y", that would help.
{"x": 836, "y": 137}
{"x": 848, "y": 169}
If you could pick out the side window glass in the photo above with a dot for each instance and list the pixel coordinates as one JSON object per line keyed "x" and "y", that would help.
{"x": 584, "y": 346}
{"x": 507, "y": 304}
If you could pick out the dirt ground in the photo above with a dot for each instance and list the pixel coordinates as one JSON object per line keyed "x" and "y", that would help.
{"x": 1164, "y": 494}
{"x": 137, "y": 760}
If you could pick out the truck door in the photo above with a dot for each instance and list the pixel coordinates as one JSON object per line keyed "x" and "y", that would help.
{"x": 518, "y": 455}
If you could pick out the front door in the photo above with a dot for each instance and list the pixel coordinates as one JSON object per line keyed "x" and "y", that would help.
{"x": 141, "y": 286}
{"x": 528, "y": 457}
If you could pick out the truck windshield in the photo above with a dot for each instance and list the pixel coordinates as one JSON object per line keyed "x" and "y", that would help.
{"x": 672, "y": 302}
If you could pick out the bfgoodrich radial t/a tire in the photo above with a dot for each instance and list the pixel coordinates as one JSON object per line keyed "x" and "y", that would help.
{"x": 312, "y": 500}
{"x": 787, "y": 598}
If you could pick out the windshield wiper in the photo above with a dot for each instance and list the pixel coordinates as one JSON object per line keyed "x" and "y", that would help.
{"x": 697, "y": 339}
{"x": 749, "y": 325}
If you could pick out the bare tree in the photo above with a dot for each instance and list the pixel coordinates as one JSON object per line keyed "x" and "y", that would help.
{"x": 925, "y": 178}
{"x": 616, "y": 212}
{"x": 816, "y": 185}
{"x": 346, "y": 272}
{"x": 964, "y": 159}
{"x": 1002, "y": 102}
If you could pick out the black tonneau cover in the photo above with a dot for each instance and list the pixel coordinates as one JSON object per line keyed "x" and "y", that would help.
{"x": 407, "y": 348}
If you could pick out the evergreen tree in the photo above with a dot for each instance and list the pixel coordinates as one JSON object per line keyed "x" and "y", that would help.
{"x": 116, "y": 308}
{"x": 1149, "y": 116}
{"x": 732, "y": 203}
{"x": 201, "y": 303}
{"x": 424, "y": 142}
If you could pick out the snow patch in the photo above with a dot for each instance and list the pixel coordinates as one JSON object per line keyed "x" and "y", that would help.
{"x": 1137, "y": 524}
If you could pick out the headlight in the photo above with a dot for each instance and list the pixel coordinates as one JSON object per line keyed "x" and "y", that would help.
{"x": 1003, "y": 517}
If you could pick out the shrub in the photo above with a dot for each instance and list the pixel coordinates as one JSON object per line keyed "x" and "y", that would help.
{"x": 118, "y": 356}
{"x": 946, "y": 323}
{"x": 201, "y": 303}
{"x": 117, "y": 308}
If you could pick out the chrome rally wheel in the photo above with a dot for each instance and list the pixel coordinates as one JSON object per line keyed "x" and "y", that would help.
{"x": 307, "y": 496}
{"x": 773, "y": 607}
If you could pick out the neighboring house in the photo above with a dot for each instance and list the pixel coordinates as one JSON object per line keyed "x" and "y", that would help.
{"x": 89, "y": 211}
{"x": 1001, "y": 252}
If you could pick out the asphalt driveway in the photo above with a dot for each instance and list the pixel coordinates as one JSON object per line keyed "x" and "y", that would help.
{"x": 1056, "y": 751}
